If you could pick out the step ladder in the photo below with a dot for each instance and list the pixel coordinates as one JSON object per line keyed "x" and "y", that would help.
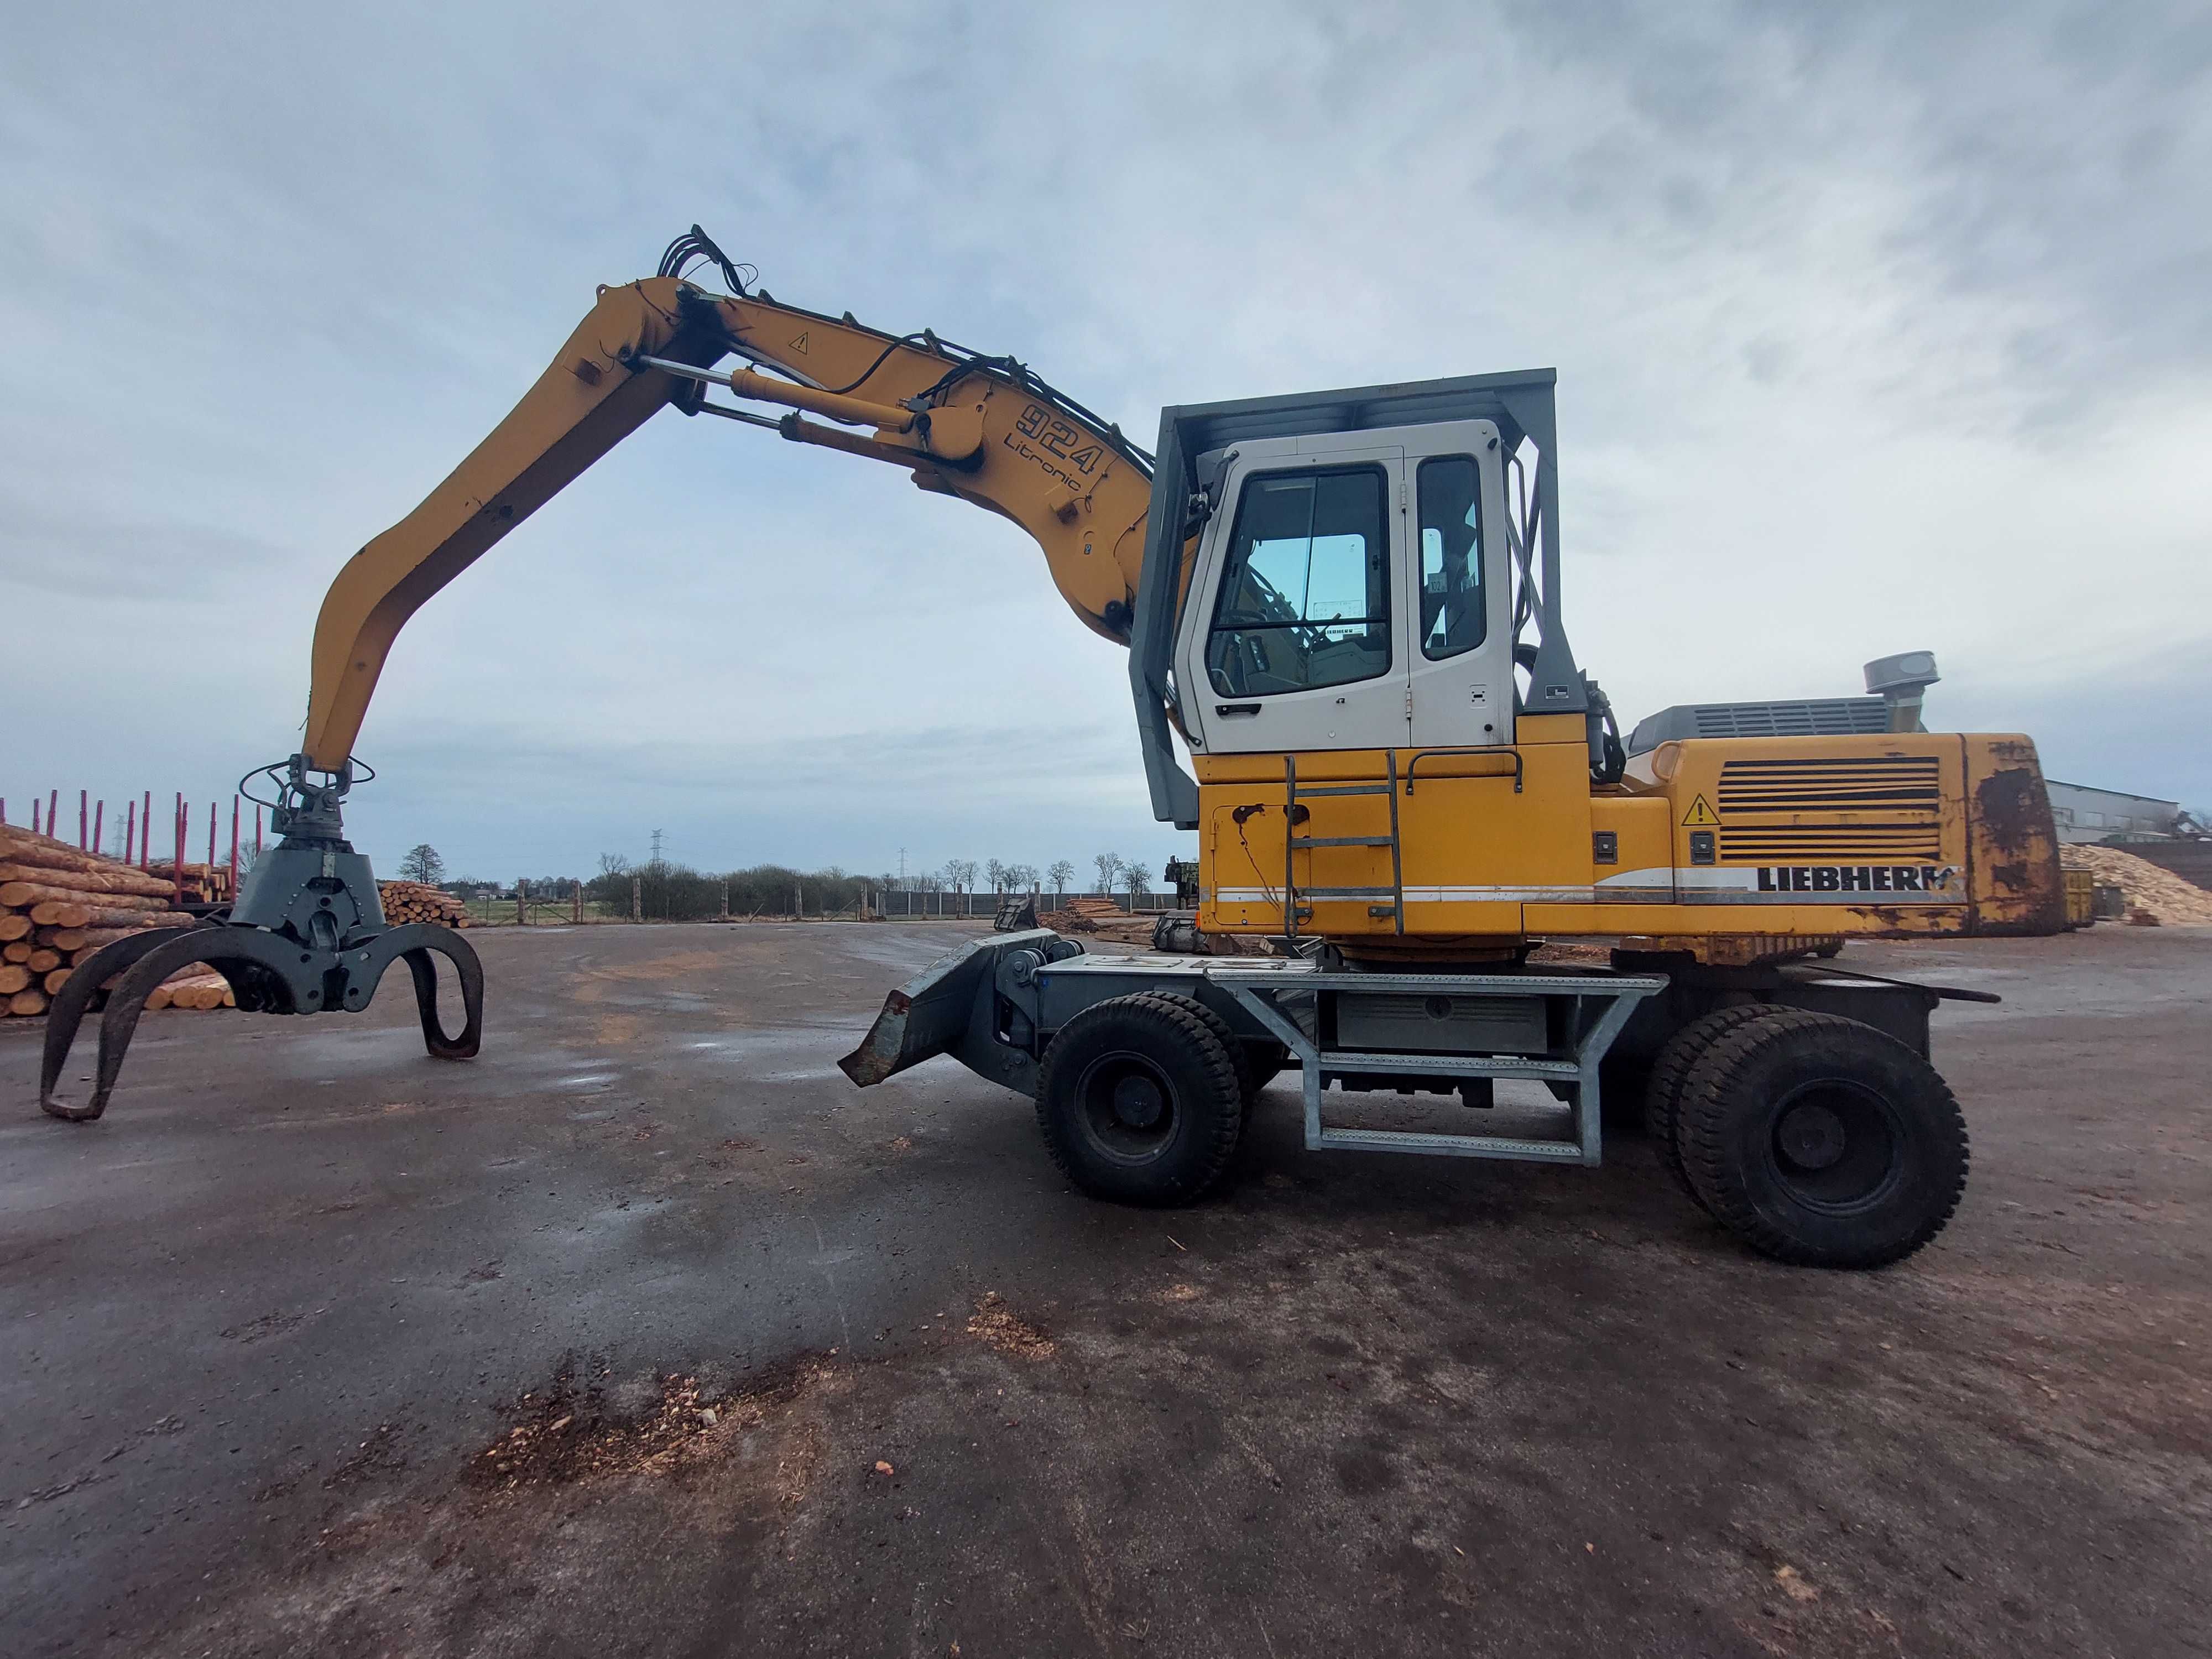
{"x": 1293, "y": 843}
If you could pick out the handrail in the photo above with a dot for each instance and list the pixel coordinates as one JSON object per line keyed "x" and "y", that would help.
{"x": 1417, "y": 759}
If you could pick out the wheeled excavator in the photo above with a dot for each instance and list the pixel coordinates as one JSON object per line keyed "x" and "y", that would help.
{"x": 1347, "y": 607}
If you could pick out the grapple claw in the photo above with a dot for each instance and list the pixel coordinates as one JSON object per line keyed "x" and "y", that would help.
{"x": 306, "y": 935}
{"x": 72, "y": 1002}
{"x": 424, "y": 971}
{"x": 270, "y": 974}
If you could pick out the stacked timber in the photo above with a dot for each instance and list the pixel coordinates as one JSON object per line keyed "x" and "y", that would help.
{"x": 413, "y": 901}
{"x": 204, "y": 883}
{"x": 57, "y": 906}
{"x": 196, "y": 985}
{"x": 1102, "y": 917}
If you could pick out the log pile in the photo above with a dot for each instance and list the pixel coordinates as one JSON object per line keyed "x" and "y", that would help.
{"x": 411, "y": 901}
{"x": 1102, "y": 917}
{"x": 57, "y": 906}
{"x": 2158, "y": 897}
{"x": 204, "y": 884}
{"x": 196, "y": 985}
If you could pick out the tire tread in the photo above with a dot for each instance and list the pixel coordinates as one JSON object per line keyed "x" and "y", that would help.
{"x": 1662, "y": 1094}
{"x": 1239, "y": 1062}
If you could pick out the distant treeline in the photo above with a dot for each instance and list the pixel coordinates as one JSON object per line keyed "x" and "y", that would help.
{"x": 676, "y": 892}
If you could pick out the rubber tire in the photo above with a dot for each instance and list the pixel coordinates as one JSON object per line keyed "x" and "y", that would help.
{"x": 1202, "y": 1080}
{"x": 1663, "y": 1094}
{"x": 1724, "y": 1128}
{"x": 1256, "y": 1060}
{"x": 1240, "y": 1058}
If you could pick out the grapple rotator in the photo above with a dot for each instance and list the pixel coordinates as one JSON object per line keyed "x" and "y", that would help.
{"x": 304, "y": 935}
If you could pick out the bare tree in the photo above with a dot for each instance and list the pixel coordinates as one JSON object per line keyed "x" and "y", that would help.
{"x": 1109, "y": 867}
{"x": 422, "y": 864}
{"x": 1137, "y": 879}
{"x": 995, "y": 871}
{"x": 1059, "y": 875}
{"x": 960, "y": 874}
{"x": 614, "y": 863}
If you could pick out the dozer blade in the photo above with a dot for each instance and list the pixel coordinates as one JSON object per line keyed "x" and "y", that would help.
{"x": 935, "y": 1011}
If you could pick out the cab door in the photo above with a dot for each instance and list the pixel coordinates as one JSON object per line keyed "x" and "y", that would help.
{"x": 1292, "y": 641}
{"x": 1457, "y": 638}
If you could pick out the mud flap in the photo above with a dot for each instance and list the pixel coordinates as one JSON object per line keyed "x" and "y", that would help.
{"x": 947, "y": 1008}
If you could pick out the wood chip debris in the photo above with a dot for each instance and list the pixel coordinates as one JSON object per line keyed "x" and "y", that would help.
{"x": 2168, "y": 900}
{"x": 994, "y": 1322}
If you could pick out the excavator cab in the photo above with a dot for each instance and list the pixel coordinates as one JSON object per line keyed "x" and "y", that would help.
{"x": 1345, "y": 595}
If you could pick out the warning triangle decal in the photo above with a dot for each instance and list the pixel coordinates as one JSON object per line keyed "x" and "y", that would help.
{"x": 799, "y": 345}
{"x": 1700, "y": 816}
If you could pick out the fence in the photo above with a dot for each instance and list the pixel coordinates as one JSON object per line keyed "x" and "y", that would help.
{"x": 896, "y": 903}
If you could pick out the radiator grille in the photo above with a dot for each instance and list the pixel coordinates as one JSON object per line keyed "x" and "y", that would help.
{"x": 1836, "y": 843}
{"x": 1896, "y": 785}
{"x": 1873, "y": 809}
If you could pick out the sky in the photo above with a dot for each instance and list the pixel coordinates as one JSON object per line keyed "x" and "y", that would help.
{"x": 1877, "y": 329}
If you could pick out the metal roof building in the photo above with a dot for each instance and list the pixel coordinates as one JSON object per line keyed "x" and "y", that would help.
{"x": 2085, "y": 814}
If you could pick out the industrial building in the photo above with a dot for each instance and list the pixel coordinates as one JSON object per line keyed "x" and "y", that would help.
{"x": 2085, "y": 814}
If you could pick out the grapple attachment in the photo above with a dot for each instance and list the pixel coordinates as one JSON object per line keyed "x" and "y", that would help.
{"x": 307, "y": 936}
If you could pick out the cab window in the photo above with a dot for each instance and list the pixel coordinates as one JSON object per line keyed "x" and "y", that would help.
{"x": 1453, "y": 616}
{"x": 1305, "y": 595}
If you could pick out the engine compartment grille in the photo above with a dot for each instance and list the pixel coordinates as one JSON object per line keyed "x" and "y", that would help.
{"x": 1873, "y": 809}
{"x": 1891, "y": 784}
{"x": 1834, "y": 843}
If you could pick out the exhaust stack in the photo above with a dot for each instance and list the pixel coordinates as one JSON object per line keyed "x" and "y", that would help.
{"x": 1900, "y": 681}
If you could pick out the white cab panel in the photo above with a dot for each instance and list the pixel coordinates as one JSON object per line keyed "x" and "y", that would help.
{"x": 1319, "y": 616}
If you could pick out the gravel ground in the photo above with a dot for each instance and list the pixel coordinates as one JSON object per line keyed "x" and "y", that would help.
{"x": 646, "y": 1333}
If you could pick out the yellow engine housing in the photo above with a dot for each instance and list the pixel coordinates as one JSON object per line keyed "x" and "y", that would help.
{"x": 1728, "y": 848}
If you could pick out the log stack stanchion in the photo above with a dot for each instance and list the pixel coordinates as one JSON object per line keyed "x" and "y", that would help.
{"x": 59, "y": 904}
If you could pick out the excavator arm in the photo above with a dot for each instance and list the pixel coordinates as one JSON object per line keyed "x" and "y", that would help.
{"x": 982, "y": 429}
{"x": 307, "y": 933}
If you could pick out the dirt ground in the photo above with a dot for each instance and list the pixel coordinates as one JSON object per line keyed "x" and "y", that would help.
{"x": 646, "y": 1333}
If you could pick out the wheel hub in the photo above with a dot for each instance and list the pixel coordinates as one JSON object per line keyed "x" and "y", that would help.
{"x": 1128, "y": 1108}
{"x": 1836, "y": 1147}
{"x": 1811, "y": 1136}
{"x": 1138, "y": 1103}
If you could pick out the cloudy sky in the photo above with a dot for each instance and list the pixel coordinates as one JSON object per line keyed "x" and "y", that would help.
{"x": 1876, "y": 329}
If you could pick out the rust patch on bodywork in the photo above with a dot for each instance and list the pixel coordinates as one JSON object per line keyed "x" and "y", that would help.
{"x": 878, "y": 1057}
{"x": 2014, "y": 810}
{"x": 2017, "y": 886}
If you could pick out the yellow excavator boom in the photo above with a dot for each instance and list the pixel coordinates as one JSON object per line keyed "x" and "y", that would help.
{"x": 983, "y": 429}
